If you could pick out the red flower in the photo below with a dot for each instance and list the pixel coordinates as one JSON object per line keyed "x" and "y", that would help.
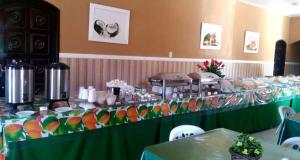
{"x": 211, "y": 66}
{"x": 206, "y": 63}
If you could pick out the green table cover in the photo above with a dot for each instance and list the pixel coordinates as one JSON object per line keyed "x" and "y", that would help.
{"x": 212, "y": 145}
{"x": 289, "y": 128}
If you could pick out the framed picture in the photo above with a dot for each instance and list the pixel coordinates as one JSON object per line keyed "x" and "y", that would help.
{"x": 251, "y": 43}
{"x": 108, "y": 24}
{"x": 211, "y": 36}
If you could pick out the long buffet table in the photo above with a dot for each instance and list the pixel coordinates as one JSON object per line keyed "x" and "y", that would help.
{"x": 123, "y": 132}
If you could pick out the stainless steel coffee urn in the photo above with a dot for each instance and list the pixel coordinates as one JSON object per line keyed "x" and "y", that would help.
{"x": 19, "y": 84}
{"x": 57, "y": 86}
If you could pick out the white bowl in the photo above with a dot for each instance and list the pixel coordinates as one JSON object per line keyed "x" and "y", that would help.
{"x": 23, "y": 114}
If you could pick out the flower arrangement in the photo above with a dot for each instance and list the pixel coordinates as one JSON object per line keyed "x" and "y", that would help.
{"x": 247, "y": 147}
{"x": 213, "y": 66}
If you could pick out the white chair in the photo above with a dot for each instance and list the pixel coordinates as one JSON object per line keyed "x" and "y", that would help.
{"x": 184, "y": 131}
{"x": 293, "y": 143}
{"x": 285, "y": 112}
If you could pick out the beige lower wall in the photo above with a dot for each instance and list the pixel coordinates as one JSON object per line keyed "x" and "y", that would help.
{"x": 97, "y": 71}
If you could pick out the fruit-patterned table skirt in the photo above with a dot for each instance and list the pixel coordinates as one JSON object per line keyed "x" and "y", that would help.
{"x": 226, "y": 110}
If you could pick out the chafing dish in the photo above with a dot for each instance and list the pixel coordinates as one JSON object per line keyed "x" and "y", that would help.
{"x": 174, "y": 81}
{"x": 206, "y": 82}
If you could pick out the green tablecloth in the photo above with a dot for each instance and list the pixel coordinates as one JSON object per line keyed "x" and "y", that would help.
{"x": 128, "y": 141}
{"x": 289, "y": 128}
{"x": 212, "y": 145}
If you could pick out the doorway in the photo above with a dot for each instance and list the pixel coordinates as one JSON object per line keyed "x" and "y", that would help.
{"x": 279, "y": 60}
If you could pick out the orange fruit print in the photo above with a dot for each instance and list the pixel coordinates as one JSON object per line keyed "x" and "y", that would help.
{"x": 144, "y": 112}
{"x": 199, "y": 104}
{"x": 74, "y": 120}
{"x": 13, "y": 132}
{"x": 174, "y": 108}
{"x": 104, "y": 119}
{"x": 184, "y": 105}
{"x": 156, "y": 109}
{"x": 52, "y": 126}
{"x": 32, "y": 125}
{"x": 215, "y": 102}
{"x": 89, "y": 121}
{"x": 165, "y": 109}
{"x": 33, "y": 129}
{"x": 120, "y": 114}
{"x": 192, "y": 105}
{"x": 132, "y": 114}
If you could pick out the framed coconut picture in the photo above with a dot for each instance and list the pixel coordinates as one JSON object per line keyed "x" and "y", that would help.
{"x": 211, "y": 36}
{"x": 251, "y": 43}
{"x": 108, "y": 24}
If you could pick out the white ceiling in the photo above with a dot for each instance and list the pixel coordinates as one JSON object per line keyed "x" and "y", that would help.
{"x": 285, "y": 7}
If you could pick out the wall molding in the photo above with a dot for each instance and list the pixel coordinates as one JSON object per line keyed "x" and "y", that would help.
{"x": 138, "y": 58}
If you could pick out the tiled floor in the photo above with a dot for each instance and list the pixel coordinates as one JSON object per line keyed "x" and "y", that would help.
{"x": 267, "y": 135}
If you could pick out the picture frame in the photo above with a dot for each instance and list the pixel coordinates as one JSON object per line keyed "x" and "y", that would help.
{"x": 211, "y": 36}
{"x": 251, "y": 42}
{"x": 108, "y": 24}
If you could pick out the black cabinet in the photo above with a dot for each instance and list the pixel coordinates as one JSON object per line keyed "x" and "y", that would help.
{"x": 29, "y": 31}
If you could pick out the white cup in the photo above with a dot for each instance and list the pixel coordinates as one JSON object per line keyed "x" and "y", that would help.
{"x": 92, "y": 95}
{"x": 85, "y": 94}
{"x": 81, "y": 88}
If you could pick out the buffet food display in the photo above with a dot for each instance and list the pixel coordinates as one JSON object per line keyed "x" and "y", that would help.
{"x": 43, "y": 123}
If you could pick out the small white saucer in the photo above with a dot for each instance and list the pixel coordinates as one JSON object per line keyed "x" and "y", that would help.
{"x": 23, "y": 114}
{"x": 87, "y": 106}
{"x": 63, "y": 109}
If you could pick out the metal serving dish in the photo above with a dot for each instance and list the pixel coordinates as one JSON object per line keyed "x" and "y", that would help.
{"x": 205, "y": 82}
{"x": 173, "y": 80}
